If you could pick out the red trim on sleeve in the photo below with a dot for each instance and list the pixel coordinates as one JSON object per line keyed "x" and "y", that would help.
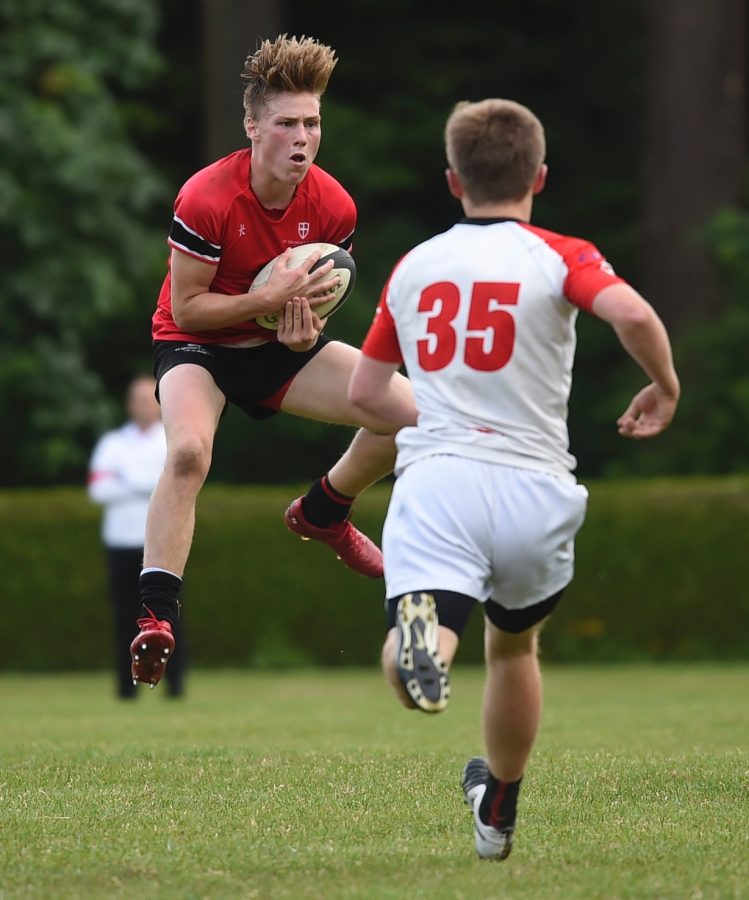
{"x": 382, "y": 342}
{"x": 97, "y": 476}
{"x": 588, "y": 271}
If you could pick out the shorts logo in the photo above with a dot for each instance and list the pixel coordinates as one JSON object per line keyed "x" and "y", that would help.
{"x": 303, "y": 229}
{"x": 193, "y": 348}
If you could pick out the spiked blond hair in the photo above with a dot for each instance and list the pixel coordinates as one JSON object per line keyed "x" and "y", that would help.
{"x": 496, "y": 147}
{"x": 299, "y": 65}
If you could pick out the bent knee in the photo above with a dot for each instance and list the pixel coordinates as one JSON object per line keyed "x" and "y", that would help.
{"x": 504, "y": 644}
{"x": 190, "y": 458}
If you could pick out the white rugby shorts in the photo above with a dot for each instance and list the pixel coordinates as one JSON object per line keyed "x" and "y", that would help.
{"x": 482, "y": 529}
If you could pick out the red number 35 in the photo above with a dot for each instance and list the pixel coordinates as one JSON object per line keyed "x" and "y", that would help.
{"x": 487, "y": 324}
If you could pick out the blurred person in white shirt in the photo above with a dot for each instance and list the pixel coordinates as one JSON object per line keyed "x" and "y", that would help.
{"x": 125, "y": 465}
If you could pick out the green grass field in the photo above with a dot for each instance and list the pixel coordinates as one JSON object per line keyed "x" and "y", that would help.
{"x": 315, "y": 784}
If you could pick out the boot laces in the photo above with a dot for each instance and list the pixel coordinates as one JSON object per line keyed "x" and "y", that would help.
{"x": 151, "y": 623}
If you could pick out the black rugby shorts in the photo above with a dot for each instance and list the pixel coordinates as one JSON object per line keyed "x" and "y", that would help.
{"x": 253, "y": 378}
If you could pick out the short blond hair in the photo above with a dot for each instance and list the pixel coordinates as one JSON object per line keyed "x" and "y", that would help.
{"x": 496, "y": 147}
{"x": 300, "y": 65}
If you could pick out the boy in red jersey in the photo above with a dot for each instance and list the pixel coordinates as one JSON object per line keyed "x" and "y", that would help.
{"x": 230, "y": 219}
{"x": 483, "y": 318}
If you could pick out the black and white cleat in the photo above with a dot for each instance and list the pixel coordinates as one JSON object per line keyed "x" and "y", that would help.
{"x": 420, "y": 668}
{"x": 491, "y": 843}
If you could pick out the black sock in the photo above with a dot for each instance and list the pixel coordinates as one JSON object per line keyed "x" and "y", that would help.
{"x": 159, "y": 593}
{"x": 323, "y": 504}
{"x": 499, "y": 803}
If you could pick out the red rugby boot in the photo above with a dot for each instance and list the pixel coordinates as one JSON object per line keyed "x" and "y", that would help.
{"x": 353, "y": 548}
{"x": 151, "y": 649}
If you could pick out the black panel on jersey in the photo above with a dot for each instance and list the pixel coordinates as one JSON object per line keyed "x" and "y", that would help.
{"x": 346, "y": 243}
{"x": 181, "y": 235}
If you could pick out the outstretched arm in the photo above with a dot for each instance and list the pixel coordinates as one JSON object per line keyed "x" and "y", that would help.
{"x": 372, "y": 390}
{"x": 644, "y": 337}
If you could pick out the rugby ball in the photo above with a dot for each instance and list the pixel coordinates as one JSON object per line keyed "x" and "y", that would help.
{"x": 343, "y": 267}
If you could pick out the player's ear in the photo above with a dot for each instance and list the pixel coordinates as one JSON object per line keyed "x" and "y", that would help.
{"x": 540, "y": 182}
{"x": 250, "y": 128}
{"x": 453, "y": 183}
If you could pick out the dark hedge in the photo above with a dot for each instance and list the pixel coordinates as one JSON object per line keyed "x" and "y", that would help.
{"x": 662, "y": 573}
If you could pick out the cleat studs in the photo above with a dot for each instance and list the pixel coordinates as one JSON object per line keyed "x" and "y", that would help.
{"x": 143, "y": 647}
{"x": 166, "y": 650}
{"x": 305, "y": 538}
{"x": 163, "y": 659}
{"x": 136, "y": 657}
{"x": 135, "y": 681}
{"x": 151, "y": 686}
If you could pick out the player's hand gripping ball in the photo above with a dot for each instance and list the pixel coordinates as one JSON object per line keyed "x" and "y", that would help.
{"x": 343, "y": 267}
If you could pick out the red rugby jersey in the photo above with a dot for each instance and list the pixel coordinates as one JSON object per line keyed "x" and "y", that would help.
{"x": 219, "y": 220}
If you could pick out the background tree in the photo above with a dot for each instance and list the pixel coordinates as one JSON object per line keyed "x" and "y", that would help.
{"x": 231, "y": 30}
{"x": 75, "y": 244}
{"x": 694, "y": 150}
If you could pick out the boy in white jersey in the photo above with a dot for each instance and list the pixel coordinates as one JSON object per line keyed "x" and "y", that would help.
{"x": 486, "y": 507}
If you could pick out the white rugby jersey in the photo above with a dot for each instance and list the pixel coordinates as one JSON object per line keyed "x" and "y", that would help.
{"x": 483, "y": 317}
{"x": 125, "y": 466}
